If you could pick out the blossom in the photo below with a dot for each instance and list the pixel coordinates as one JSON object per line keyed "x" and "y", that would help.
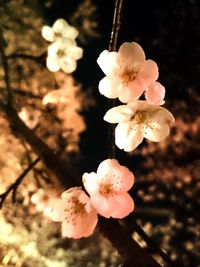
{"x": 138, "y": 120}
{"x": 30, "y": 116}
{"x": 63, "y": 54}
{"x": 60, "y": 29}
{"x": 127, "y": 72}
{"x": 75, "y": 211}
{"x": 108, "y": 189}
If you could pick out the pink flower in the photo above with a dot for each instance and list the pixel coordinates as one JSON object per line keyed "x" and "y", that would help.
{"x": 76, "y": 213}
{"x": 108, "y": 189}
{"x": 127, "y": 72}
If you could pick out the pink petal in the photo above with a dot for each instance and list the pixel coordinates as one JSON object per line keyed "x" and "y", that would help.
{"x": 101, "y": 205}
{"x": 147, "y": 74}
{"x": 109, "y": 87}
{"x": 130, "y": 55}
{"x": 122, "y": 205}
{"x": 113, "y": 173}
{"x": 107, "y": 61}
{"x": 155, "y": 94}
{"x": 130, "y": 92}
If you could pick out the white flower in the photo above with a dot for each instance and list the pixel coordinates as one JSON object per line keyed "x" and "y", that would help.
{"x": 60, "y": 29}
{"x": 138, "y": 120}
{"x": 63, "y": 54}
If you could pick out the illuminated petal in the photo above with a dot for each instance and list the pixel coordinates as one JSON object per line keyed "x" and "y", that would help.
{"x": 157, "y": 132}
{"x": 130, "y": 55}
{"x": 90, "y": 182}
{"x": 60, "y": 25}
{"x": 130, "y": 92}
{"x": 68, "y": 65}
{"x": 128, "y": 136}
{"x": 118, "y": 114}
{"x": 148, "y": 73}
{"x": 155, "y": 94}
{"x": 107, "y": 61}
{"x": 109, "y": 87}
{"x": 52, "y": 63}
{"x": 47, "y": 33}
{"x": 75, "y": 52}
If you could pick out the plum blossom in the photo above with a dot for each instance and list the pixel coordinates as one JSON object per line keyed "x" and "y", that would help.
{"x": 30, "y": 116}
{"x": 127, "y": 72}
{"x": 60, "y": 29}
{"x": 74, "y": 209}
{"x": 63, "y": 54}
{"x": 108, "y": 189}
{"x": 138, "y": 120}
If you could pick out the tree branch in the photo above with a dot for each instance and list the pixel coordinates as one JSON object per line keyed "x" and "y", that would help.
{"x": 14, "y": 186}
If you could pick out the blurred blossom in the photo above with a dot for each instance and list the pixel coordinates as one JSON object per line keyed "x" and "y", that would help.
{"x": 60, "y": 29}
{"x": 63, "y": 54}
{"x": 42, "y": 199}
{"x": 75, "y": 211}
{"x": 138, "y": 120}
{"x": 108, "y": 189}
{"x": 30, "y": 116}
{"x": 129, "y": 74}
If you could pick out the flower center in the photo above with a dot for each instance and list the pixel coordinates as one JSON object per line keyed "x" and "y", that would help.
{"x": 61, "y": 53}
{"x": 79, "y": 207}
{"x": 129, "y": 75}
{"x": 106, "y": 189}
{"x": 140, "y": 116}
{"x": 57, "y": 34}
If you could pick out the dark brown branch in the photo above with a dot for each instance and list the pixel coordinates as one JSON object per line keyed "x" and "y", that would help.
{"x": 112, "y": 47}
{"x": 50, "y": 159}
{"x": 133, "y": 254}
{"x": 133, "y": 226}
{"x": 25, "y": 56}
{"x": 14, "y": 186}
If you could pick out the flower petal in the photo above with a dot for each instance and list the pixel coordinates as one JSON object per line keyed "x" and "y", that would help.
{"x": 57, "y": 210}
{"x": 128, "y": 136}
{"x": 130, "y": 55}
{"x": 60, "y": 25}
{"x": 130, "y": 92}
{"x": 75, "y": 52}
{"x": 157, "y": 132}
{"x": 155, "y": 94}
{"x": 107, "y": 61}
{"x": 101, "y": 205}
{"x": 47, "y": 33}
{"x": 109, "y": 86}
{"x": 111, "y": 172}
{"x": 90, "y": 183}
{"x": 148, "y": 73}
{"x": 52, "y": 63}
{"x": 118, "y": 114}
{"x": 68, "y": 64}
{"x": 122, "y": 205}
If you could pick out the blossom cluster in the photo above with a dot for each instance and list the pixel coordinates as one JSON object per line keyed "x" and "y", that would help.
{"x": 63, "y": 51}
{"x": 108, "y": 197}
{"x": 128, "y": 76}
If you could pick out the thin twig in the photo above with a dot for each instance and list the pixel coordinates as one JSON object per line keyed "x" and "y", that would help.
{"x": 25, "y": 56}
{"x": 6, "y": 69}
{"x": 117, "y": 18}
{"x": 14, "y": 186}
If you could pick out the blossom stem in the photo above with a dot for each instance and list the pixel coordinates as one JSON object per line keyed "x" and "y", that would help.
{"x": 117, "y": 18}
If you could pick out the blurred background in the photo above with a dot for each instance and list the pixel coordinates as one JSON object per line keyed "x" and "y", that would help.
{"x": 167, "y": 186}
